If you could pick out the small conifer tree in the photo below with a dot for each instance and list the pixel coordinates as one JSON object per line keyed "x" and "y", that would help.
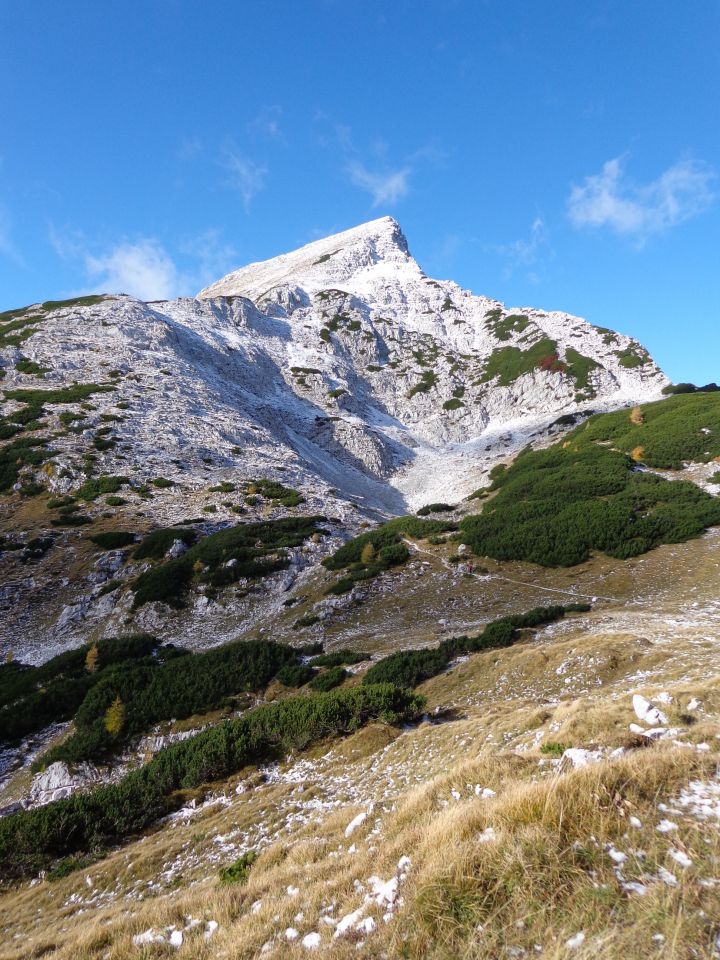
{"x": 368, "y": 553}
{"x": 115, "y": 717}
{"x": 91, "y": 659}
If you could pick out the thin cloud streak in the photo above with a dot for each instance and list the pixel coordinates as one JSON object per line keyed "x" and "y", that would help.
{"x": 640, "y": 211}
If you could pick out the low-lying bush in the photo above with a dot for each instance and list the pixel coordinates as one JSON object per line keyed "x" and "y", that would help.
{"x": 33, "y": 839}
{"x": 328, "y": 679}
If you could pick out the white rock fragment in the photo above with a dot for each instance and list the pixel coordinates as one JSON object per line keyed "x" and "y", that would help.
{"x": 577, "y": 941}
{"x": 487, "y": 836}
{"x": 635, "y": 822}
{"x": 366, "y": 926}
{"x": 311, "y": 941}
{"x": 579, "y": 757}
{"x": 694, "y": 704}
{"x": 355, "y": 823}
{"x": 617, "y": 856}
{"x": 149, "y": 936}
{"x": 291, "y": 933}
{"x": 680, "y": 858}
{"x": 633, "y": 886}
{"x": 666, "y": 826}
{"x": 257, "y": 905}
{"x": 210, "y": 928}
{"x": 668, "y": 878}
{"x": 293, "y": 891}
{"x": 646, "y": 712}
{"x": 176, "y": 939}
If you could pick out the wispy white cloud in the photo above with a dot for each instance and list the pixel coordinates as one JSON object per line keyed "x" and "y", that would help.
{"x": 244, "y": 175}
{"x": 268, "y": 123}
{"x": 526, "y": 251}
{"x": 534, "y": 251}
{"x": 638, "y": 211}
{"x": 143, "y": 267}
{"x": 385, "y": 188}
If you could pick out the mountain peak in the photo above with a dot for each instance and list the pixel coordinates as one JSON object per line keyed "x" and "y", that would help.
{"x": 320, "y": 263}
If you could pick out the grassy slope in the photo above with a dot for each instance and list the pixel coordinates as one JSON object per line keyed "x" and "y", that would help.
{"x": 509, "y": 704}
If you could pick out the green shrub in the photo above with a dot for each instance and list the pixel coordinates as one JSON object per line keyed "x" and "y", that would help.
{"x": 153, "y": 690}
{"x": 29, "y": 366}
{"x": 162, "y": 483}
{"x": 453, "y": 404}
{"x": 435, "y": 508}
{"x": 295, "y": 675}
{"x": 338, "y": 658}
{"x": 71, "y": 394}
{"x": 155, "y": 545}
{"x": 239, "y": 870}
{"x": 32, "y": 839}
{"x": 113, "y": 539}
{"x": 113, "y": 501}
{"x": 426, "y": 382}
{"x": 508, "y": 363}
{"x": 553, "y": 749}
{"x": 245, "y": 550}
{"x": 25, "y": 451}
{"x": 555, "y": 506}
{"x": 32, "y": 697}
{"x": 328, "y": 679}
{"x": 224, "y": 487}
{"x": 97, "y": 486}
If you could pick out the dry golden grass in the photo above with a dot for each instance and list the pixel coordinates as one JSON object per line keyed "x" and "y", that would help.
{"x": 543, "y": 877}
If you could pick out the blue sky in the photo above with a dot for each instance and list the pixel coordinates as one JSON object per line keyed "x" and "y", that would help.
{"x": 558, "y": 154}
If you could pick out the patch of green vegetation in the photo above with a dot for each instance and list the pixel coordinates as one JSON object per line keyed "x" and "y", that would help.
{"x": 71, "y": 394}
{"x": 277, "y": 492}
{"x": 329, "y": 679}
{"x": 115, "y": 501}
{"x": 113, "y": 539}
{"x": 369, "y": 554}
{"x": 224, "y": 487}
{"x": 579, "y": 367}
{"x": 674, "y": 388}
{"x": 555, "y": 506}
{"x": 714, "y": 478}
{"x": 408, "y": 668}
{"x": 305, "y": 370}
{"x": 323, "y": 259}
{"x": 508, "y": 363}
{"x": 33, "y": 697}
{"x": 339, "y": 392}
{"x": 103, "y": 443}
{"x": 88, "y": 301}
{"x": 295, "y": 675}
{"x": 505, "y": 327}
{"x": 435, "y": 508}
{"x": 247, "y": 550}
{"x": 71, "y": 520}
{"x": 95, "y": 487}
{"x": 162, "y": 483}
{"x": 177, "y": 685}
{"x": 339, "y": 658}
{"x": 632, "y": 356}
{"x": 155, "y": 545}
{"x": 453, "y": 404}
{"x": 684, "y": 428}
{"x": 448, "y": 305}
{"x": 325, "y": 334}
{"x": 553, "y": 749}
{"x": 23, "y": 452}
{"x": 239, "y": 870}
{"x": 29, "y": 366}
{"x": 32, "y": 839}
{"x": 427, "y": 381}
